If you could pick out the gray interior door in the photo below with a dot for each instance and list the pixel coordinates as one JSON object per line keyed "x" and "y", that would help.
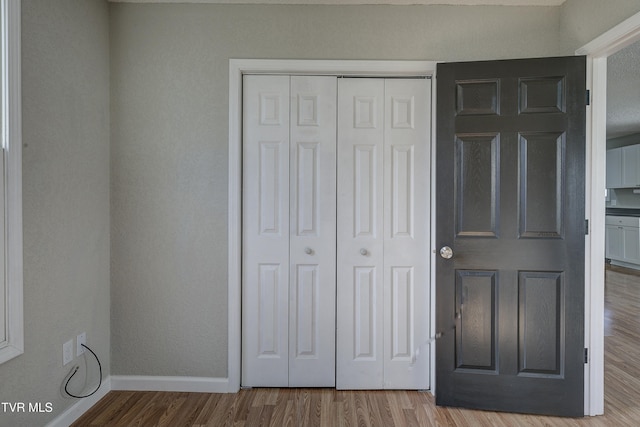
{"x": 510, "y": 205}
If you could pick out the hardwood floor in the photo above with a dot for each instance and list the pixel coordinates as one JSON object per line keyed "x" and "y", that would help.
{"x": 328, "y": 407}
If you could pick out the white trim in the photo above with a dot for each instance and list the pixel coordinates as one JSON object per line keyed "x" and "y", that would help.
{"x": 365, "y": 2}
{"x": 432, "y": 259}
{"x": 618, "y": 37}
{"x": 178, "y": 384}
{"x": 238, "y": 67}
{"x": 597, "y": 51}
{"x": 332, "y": 67}
{"x": 75, "y": 411}
{"x": 12, "y": 144}
{"x": 625, "y": 264}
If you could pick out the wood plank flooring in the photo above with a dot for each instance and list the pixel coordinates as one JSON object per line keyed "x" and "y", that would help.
{"x": 329, "y": 407}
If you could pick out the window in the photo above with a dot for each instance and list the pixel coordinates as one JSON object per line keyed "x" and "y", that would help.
{"x": 11, "y": 316}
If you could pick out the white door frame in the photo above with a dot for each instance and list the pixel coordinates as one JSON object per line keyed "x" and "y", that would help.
{"x": 597, "y": 51}
{"x": 238, "y": 67}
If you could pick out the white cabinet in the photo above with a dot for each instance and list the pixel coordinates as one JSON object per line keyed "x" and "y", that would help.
{"x": 623, "y": 239}
{"x": 623, "y": 167}
{"x": 630, "y": 162}
{"x": 614, "y": 242}
{"x": 614, "y": 168}
{"x": 631, "y": 248}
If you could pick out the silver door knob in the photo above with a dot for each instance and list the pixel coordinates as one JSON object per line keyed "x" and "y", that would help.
{"x": 363, "y": 251}
{"x": 446, "y": 252}
{"x": 308, "y": 250}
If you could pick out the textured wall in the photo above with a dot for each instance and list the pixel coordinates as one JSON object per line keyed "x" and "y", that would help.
{"x": 169, "y": 111}
{"x": 584, "y": 20}
{"x": 65, "y": 81}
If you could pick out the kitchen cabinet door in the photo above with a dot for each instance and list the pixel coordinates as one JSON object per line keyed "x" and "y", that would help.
{"x": 614, "y": 168}
{"x": 614, "y": 242}
{"x": 630, "y": 161}
{"x": 631, "y": 244}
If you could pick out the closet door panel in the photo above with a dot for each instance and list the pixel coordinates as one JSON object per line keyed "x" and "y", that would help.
{"x": 312, "y": 231}
{"x": 359, "y": 357}
{"x": 406, "y": 233}
{"x": 336, "y": 232}
{"x": 265, "y": 244}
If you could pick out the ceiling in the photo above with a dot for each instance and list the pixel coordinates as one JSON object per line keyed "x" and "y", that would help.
{"x": 348, "y": 2}
{"x": 623, "y": 92}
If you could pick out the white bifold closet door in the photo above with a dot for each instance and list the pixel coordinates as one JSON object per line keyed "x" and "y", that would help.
{"x": 383, "y": 234}
{"x": 289, "y": 231}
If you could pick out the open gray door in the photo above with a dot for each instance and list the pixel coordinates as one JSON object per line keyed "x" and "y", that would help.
{"x": 511, "y": 225}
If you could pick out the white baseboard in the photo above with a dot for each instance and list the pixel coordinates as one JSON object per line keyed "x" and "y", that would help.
{"x": 625, "y": 264}
{"x": 186, "y": 384}
{"x": 75, "y": 411}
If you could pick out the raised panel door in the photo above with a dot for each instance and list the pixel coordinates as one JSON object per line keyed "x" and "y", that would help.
{"x": 510, "y": 207}
{"x": 301, "y": 194}
{"x": 312, "y": 232}
{"x": 360, "y": 271}
{"x": 406, "y": 233}
{"x": 289, "y": 232}
{"x": 265, "y": 237}
{"x": 383, "y": 234}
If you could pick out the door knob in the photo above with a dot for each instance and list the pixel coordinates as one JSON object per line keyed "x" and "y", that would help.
{"x": 446, "y": 252}
{"x": 308, "y": 250}
{"x": 363, "y": 251}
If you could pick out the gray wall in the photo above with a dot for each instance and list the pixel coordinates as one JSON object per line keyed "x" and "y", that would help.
{"x": 169, "y": 111}
{"x": 65, "y": 82}
{"x": 584, "y": 20}
{"x": 169, "y": 138}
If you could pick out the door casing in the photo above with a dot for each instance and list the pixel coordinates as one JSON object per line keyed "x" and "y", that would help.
{"x": 597, "y": 51}
{"x": 238, "y": 67}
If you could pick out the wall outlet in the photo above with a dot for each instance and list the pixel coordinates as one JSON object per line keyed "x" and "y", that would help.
{"x": 67, "y": 352}
{"x": 81, "y": 339}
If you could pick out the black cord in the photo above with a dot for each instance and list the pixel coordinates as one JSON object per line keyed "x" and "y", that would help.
{"x": 76, "y": 370}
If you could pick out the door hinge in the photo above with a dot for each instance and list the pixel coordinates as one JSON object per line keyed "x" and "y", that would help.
{"x": 586, "y": 355}
{"x": 588, "y": 97}
{"x": 586, "y": 226}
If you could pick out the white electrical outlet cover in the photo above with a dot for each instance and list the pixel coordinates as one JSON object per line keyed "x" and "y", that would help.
{"x": 81, "y": 339}
{"x": 67, "y": 352}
